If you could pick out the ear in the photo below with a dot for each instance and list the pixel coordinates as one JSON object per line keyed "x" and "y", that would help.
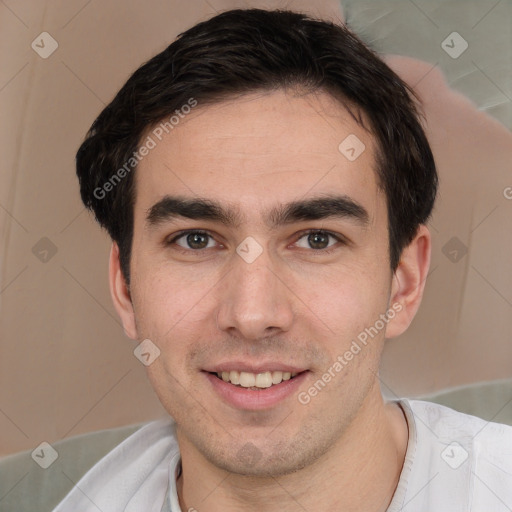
{"x": 120, "y": 294}
{"x": 409, "y": 282}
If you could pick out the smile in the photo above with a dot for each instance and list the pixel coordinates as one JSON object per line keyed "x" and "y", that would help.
{"x": 255, "y": 391}
{"x": 255, "y": 381}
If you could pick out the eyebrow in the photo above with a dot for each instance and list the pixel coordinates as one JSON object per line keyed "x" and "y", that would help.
{"x": 322, "y": 207}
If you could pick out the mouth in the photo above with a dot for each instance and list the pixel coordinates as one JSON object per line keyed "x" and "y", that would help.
{"x": 255, "y": 381}
{"x": 251, "y": 391}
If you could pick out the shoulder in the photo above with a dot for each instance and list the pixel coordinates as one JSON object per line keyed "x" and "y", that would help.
{"x": 152, "y": 443}
{"x": 469, "y": 458}
{"x": 447, "y": 423}
{"x": 137, "y": 464}
{"x": 149, "y": 440}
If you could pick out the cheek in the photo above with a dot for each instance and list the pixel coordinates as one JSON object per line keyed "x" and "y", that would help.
{"x": 174, "y": 310}
{"x": 166, "y": 301}
{"x": 347, "y": 299}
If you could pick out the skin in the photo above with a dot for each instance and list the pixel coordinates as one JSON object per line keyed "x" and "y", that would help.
{"x": 345, "y": 449}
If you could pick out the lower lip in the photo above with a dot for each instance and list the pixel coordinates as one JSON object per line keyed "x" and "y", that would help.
{"x": 255, "y": 400}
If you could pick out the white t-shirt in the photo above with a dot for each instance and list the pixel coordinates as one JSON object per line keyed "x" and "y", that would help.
{"x": 454, "y": 463}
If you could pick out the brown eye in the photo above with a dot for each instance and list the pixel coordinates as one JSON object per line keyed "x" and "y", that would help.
{"x": 319, "y": 240}
{"x": 195, "y": 240}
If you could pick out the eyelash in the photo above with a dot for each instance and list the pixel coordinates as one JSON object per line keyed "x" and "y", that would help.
{"x": 182, "y": 234}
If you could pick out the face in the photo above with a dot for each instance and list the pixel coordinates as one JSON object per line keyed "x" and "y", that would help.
{"x": 265, "y": 287}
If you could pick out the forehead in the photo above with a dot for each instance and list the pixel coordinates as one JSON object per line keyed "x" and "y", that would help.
{"x": 258, "y": 148}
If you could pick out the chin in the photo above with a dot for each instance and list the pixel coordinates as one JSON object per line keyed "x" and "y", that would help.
{"x": 262, "y": 458}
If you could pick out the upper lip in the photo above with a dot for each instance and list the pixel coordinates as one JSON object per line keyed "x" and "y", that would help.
{"x": 241, "y": 366}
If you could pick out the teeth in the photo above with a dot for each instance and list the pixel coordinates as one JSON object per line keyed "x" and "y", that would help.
{"x": 247, "y": 380}
{"x": 253, "y": 380}
{"x": 277, "y": 377}
{"x": 264, "y": 380}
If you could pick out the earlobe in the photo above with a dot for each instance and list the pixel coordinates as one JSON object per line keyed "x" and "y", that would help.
{"x": 120, "y": 294}
{"x": 409, "y": 282}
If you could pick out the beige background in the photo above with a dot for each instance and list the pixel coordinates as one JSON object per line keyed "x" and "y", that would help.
{"x": 66, "y": 366}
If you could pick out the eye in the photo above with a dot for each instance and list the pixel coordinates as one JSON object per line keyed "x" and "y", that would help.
{"x": 319, "y": 240}
{"x": 195, "y": 240}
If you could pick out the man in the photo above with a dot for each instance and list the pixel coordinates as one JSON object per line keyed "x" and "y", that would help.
{"x": 266, "y": 183}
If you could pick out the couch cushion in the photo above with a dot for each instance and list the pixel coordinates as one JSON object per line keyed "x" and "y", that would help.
{"x": 27, "y": 487}
{"x": 491, "y": 401}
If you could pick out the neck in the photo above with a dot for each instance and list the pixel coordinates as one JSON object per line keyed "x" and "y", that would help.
{"x": 360, "y": 472}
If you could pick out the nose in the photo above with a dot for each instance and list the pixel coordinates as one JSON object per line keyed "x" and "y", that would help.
{"x": 256, "y": 301}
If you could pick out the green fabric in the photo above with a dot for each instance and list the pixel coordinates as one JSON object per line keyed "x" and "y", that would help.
{"x": 25, "y": 487}
{"x": 491, "y": 401}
